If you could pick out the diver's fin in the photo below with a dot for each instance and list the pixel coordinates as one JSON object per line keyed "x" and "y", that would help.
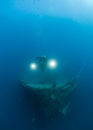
{"x": 64, "y": 110}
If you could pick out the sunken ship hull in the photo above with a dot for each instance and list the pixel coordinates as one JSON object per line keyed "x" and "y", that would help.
{"x": 51, "y": 99}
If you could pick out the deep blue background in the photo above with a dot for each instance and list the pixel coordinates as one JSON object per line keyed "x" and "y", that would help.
{"x": 23, "y": 36}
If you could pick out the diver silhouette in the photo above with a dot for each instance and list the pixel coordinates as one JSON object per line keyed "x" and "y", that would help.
{"x": 42, "y": 61}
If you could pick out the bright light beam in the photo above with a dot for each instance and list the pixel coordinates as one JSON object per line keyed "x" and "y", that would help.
{"x": 52, "y": 63}
{"x": 33, "y": 66}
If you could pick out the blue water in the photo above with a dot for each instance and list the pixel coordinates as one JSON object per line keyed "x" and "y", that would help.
{"x": 24, "y": 36}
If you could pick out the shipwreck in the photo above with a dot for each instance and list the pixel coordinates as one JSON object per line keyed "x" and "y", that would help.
{"x": 50, "y": 96}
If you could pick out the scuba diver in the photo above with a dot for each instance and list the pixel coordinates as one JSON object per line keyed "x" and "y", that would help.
{"x": 42, "y": 61}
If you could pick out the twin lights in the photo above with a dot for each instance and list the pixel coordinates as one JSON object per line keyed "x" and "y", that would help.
{"x": 50, "y": 63}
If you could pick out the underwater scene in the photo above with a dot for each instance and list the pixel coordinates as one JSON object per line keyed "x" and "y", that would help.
{"x": 46, "y": 65}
